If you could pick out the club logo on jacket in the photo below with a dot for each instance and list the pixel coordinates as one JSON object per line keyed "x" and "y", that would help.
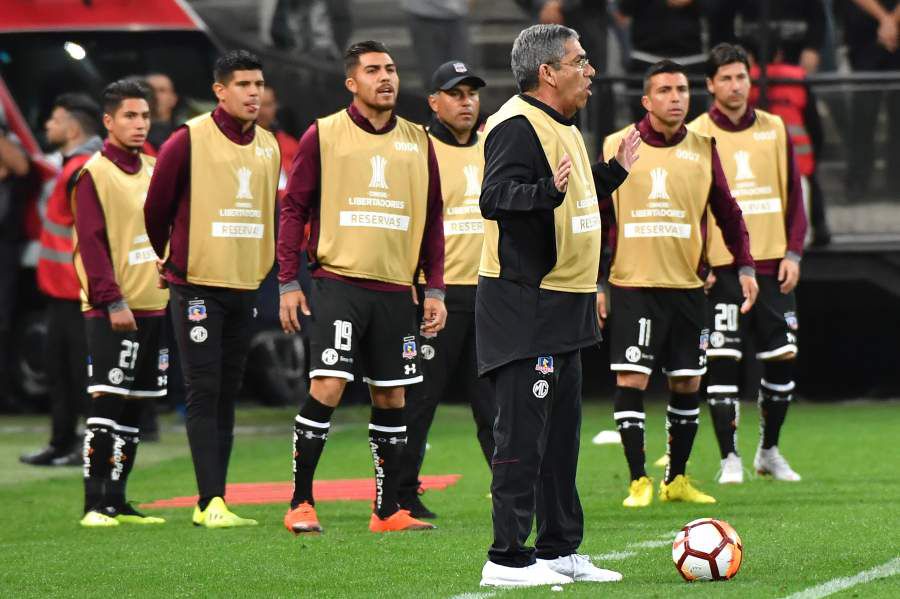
{"x": 473, "y": 183}
{"x": 544, "y": 365}
{"x": 658, "y": 182}
{"x": 378, "y": 180}
{"x": 742, "y": 161}
{"x": 243, "y": 175}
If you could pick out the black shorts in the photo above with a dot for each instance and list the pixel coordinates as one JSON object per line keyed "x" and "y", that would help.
{"x": 651, "y": 326}
{"x": 133, "y": 364}
{"x": 372, "y": 332}
{"x": 772, "y": 321}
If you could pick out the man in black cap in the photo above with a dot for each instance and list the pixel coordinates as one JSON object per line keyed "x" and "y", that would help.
{"x": 450, "y": 356}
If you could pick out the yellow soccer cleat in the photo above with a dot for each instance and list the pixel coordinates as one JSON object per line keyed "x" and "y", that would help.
{"x": 94, "y": 519}
{"x": 128, "y": 515}
{"x": 662, "y": 462}
{"x": 640, "y": 493}
{"x": 217, "y": 515}
{"x": 681, "y": 489}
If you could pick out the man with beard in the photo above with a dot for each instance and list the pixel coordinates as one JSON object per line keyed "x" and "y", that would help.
{"x": 367, "y": 182}
{"x": 123, "y": 305}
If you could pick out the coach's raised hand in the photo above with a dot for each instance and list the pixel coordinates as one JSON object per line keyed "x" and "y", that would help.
{"x": 287, "y": 311}
{"x": 561, "y": 176}
{"x": 627, "y": 154}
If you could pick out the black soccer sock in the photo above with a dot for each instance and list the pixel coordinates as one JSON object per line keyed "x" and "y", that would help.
{"x": 723, "y": 397}
{"x": 628, "y": 412}
{"x": 97, "y": 451}
{"x": 387, "y": 440}
{"x": 776, "y": 391}
{"x": 125, "y": 443}
{"x": 310, "y": 433}
{"x": 682, "y": 417}
{"x": 126, "y": 436}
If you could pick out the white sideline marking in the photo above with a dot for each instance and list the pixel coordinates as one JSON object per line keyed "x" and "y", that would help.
{"x": 652, "y": 544}
{"x": 613, "y": 556}
{"x": 839, "y": 584}
{"x": 661, "y": 541}
{"x": 473, "y": 595}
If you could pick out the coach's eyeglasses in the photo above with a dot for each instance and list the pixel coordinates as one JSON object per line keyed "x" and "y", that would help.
{"x": 580, "y": 64}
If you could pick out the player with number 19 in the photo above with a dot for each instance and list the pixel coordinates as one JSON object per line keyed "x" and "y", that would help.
{"x": 368, "y": 184}
{"x": 123, "y": 306}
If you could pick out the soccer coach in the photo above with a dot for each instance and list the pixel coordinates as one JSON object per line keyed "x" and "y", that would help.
{"x": 535, "y": 305}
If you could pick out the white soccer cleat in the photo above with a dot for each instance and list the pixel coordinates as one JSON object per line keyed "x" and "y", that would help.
{"x": 770, "y": 461}
{"x": 537, "y": 574}
{"x": 732, "y": 470}
{"x": 607, "y": 438}
{"x": 580, "y": 569}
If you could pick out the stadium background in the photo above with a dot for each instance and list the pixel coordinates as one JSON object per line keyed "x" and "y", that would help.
{"x": 836, "y": 523}
{"x": 849, "y": 288}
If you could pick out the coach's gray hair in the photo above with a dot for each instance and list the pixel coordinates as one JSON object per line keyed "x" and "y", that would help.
{"x": 537, "y": 45}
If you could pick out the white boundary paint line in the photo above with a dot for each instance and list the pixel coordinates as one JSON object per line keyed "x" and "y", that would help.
{"x": 613, "y": 556}
{"x": 885, "y": 570}
{"x": 474, "y": 595}
{"x": 661, "y": 541}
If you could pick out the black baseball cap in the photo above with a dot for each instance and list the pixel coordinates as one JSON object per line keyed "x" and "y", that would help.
{"x": 451, "y": 74}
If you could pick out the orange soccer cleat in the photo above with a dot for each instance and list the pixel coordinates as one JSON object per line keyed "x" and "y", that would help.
{"x": 302, "y": 519}
{"x": 400, "y": 520}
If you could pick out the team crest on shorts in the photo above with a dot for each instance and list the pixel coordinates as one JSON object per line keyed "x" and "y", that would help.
{"x": 633, "y": 354}
{"x": 196, "y": 310}
{"x": 791, "y": 319}
{"x": 163, "y": 360}
{"x": 704, "y": 339}
{"x": 409, "y": 348}
{"x": 544, "y": 365}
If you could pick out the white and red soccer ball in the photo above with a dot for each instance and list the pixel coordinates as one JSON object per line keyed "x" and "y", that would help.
{"x": 707, "y": 549}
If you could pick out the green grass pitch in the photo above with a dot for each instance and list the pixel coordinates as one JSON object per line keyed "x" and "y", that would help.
{"x": 842, "y": 519}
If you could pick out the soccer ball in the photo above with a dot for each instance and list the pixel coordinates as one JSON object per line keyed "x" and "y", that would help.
{"x": 707, "y": 549}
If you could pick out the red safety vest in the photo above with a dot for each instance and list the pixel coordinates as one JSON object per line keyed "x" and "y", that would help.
{"x": 789, "y": 101}
{"x": 55, "y": 271}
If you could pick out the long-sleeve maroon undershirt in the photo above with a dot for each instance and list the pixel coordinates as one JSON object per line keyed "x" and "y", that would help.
{"x": 93, "y": 243}
{"x": 794, "y": 214}
{"x": 724, "y": 207}
{"x": 167, "y": 212}
{"x": 302, "y": 203}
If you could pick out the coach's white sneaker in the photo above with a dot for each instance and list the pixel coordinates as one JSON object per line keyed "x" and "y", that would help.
{"x": 770, "y": 461}
{"x": 537, "y": 574}
{"x": 732, "y": 470}
{"x": 580, "y": 569}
